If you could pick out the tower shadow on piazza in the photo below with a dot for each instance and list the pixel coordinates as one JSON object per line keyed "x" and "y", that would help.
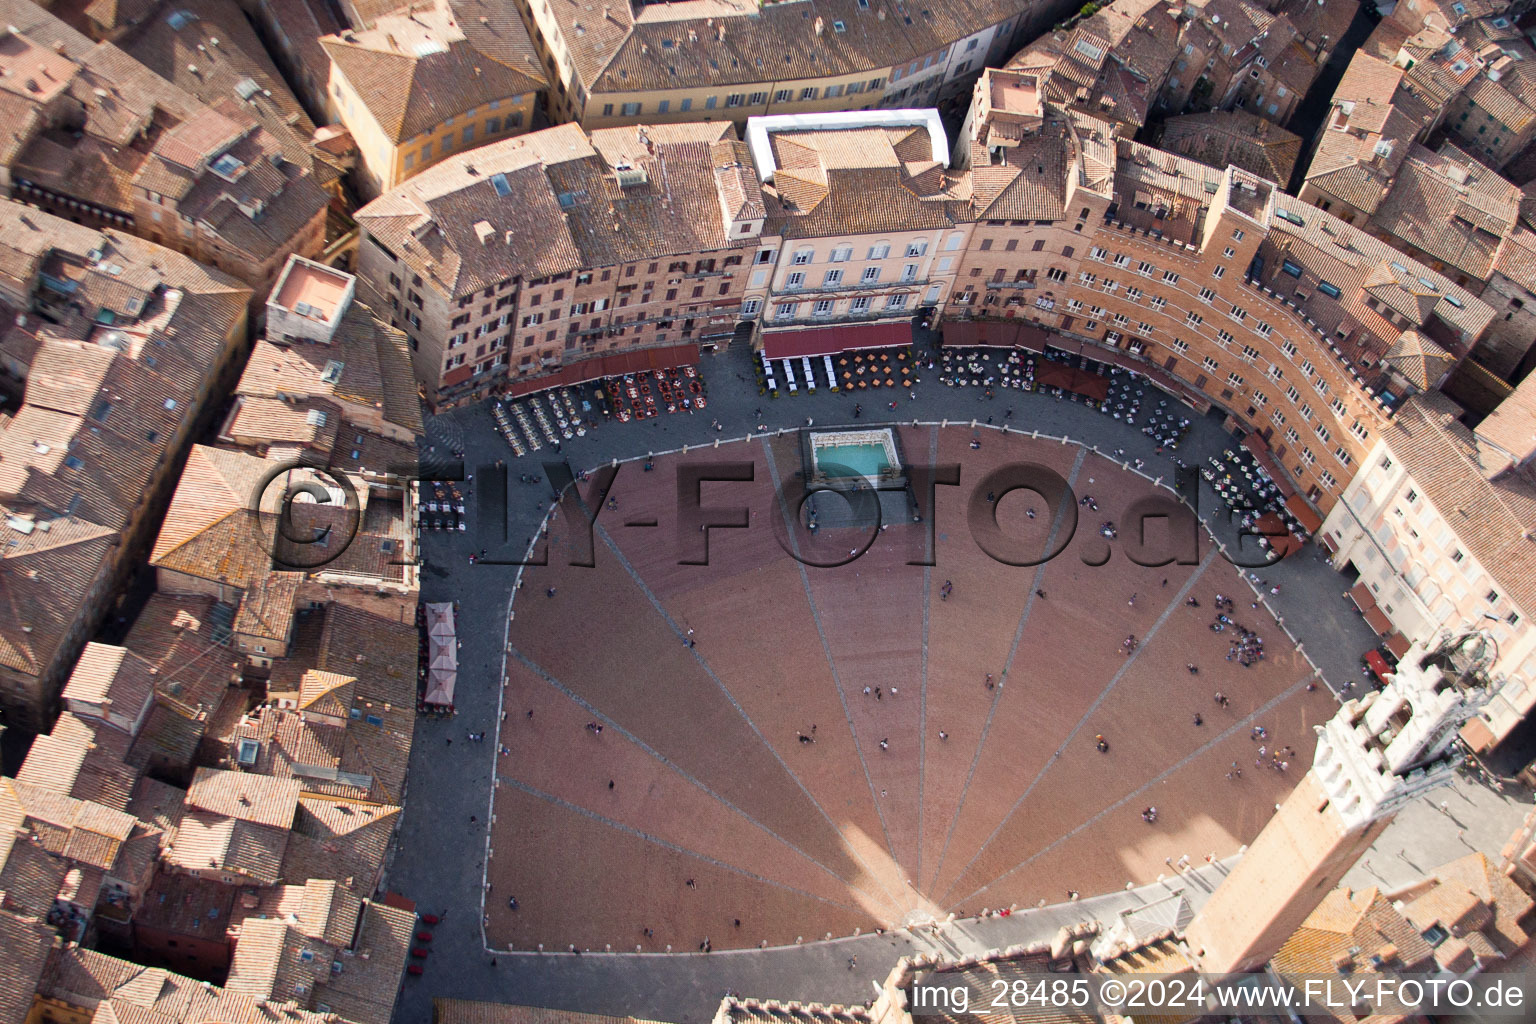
{"x": 773, "y": 747}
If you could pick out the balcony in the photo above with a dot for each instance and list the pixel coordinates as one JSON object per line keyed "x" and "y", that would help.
{"x": 868, "y": 316}
{"x": 810, "y": 291}
{"x": 1013, "y": 284}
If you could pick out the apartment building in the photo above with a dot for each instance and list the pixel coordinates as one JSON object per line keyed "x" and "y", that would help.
{"x": 84, "y": 856}
{"x": 1450, "y": 211}
{"x": 419, "y": 86}
{"x": 103, "y": 140}
{"x": 112, "y": 348}
{"x": 1506, "y": 349}
{"x": 209, "y": 49}
{"x": 1307, "y": 330}
{"x": 648, "y": 63}
{"x": 1439, "y": 526}
{"x": 1111, "y": 65}
{"x": 1235, "y": 54}
{"x": 562, "y": 256}
{"x": 329, "y": 377}
{"x": 1410, "y": 16}
{"x": 1472, "y": 79}
{"x": 1039, "y": 178}
{"x": 325, "y": 401}
{"x": 1372, "y": 122}
{"x": 870, "y": 226}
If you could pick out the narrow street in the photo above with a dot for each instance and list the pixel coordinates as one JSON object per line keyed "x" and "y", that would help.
{"x": 1308, "y": 119}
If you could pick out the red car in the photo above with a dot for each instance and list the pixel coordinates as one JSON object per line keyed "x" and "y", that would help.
{"x": 419, "y": 953}
{"x": 415, "y": 969}
{"x": 429, "y": 919}
{"x": 423, "y": 936}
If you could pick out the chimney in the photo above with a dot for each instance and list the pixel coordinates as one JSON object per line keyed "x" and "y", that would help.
{"x": 820, "y": 24}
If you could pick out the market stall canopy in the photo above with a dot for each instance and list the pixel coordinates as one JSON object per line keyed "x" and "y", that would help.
{"x": 440, "y": 619}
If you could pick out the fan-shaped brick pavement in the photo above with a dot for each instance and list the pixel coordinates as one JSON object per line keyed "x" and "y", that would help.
{"x": 697, "y": 812}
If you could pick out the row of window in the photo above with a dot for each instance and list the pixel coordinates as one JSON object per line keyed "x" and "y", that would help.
{"x": 466, "y": 138}
{"x": 826, "y": 307}
{"x": 1235, "y": 312}
{"x": 750, "y": 99}
{"x": 834, "y": 278}
{"x": 1209, "y": 363}
{"x": 844, "y": 253}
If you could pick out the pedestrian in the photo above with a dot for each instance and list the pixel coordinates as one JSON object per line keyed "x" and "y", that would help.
{"x": 692, "y": 884}
{"x": 530, "y": 713}
{"x": 943, "y": 735}
{"x": 1040, "y": 593}
{"x": 450, "y": 741}
{"x": 1101, "y": 743}
{"x": 1198, "y": 719}
{"x": 550, "y": 592}
{"x": 990, "y": 684}
{"x": 610, "y": 781}
{"x": 885, "y": 744}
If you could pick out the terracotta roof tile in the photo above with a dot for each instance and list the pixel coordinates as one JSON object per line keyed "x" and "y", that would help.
{"x": 344, "y": 840}
{"x": 1236, "y": 137}
{"x": 111, "y": 678}
{"x": 412, "y": 72}
{"x": 27, "y": 942}
{"x": 1491, "y": 517}
{"x": 375, "y": 378}
{"x": 83, "y": 760}
{"x": 244, "y": 797}
{"x": 266, "y": 610}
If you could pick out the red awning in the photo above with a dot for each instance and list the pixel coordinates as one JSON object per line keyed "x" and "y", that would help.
{"x": 1297, "y": 506}
{"x": 1477, "y": 735}
{"x": 1378, "y": 665}
{"x": 1281, "y": 541}
{"x": 1397, "y": 644}
{"x": 1255, "y": 443}
{"x": 829, "y": 341}
{"x": 1377, "y": 620}
{"x": 1052, "y": 374}
{"x": 994, "y": 334}
{"x": 1362, "y": 596}
{"x": 615, "y": 365}
{"x": 394, "y": 899}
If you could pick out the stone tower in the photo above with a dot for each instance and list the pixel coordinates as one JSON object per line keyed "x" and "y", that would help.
{"x": 1373, "y": 757}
